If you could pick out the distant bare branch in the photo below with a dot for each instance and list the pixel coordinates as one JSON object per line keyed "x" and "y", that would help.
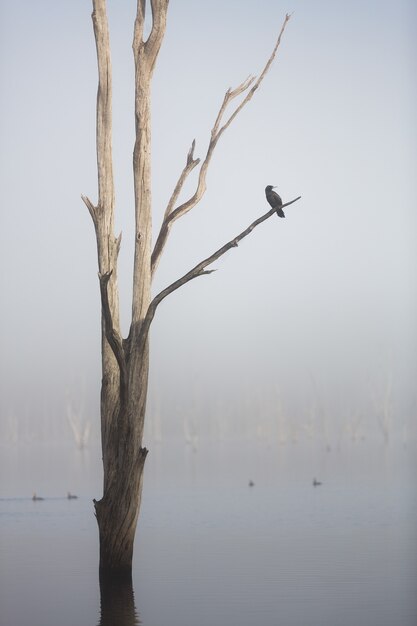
{"x": 171, "y": 214}
{"x": 199, "y": 269}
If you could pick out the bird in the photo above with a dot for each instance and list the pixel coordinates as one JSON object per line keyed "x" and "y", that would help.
{"x": 71, "y": 496}
{"x": 316, "y": 482}
{"x": 251, "y": 483}
{"x": 274, "y": 200}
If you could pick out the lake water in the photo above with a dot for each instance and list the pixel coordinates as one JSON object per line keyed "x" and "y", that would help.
{"x": 210, "y": 549}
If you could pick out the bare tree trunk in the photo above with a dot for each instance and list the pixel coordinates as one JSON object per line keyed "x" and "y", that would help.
{"x": 125, "y": 362}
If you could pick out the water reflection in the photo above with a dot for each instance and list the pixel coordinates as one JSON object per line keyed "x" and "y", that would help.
{"x": 117, "y": 603}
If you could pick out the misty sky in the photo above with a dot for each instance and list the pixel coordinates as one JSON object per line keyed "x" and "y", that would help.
{"x": 325, "y": 299}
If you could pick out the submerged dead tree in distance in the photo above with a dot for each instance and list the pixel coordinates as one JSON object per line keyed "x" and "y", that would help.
{"x": 125, "y": 361}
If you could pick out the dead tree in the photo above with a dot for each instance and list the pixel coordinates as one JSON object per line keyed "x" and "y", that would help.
{"x": 125, "y": 360}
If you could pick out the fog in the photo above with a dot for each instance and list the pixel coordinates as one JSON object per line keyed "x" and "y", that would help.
{"x": 314, "y": 314}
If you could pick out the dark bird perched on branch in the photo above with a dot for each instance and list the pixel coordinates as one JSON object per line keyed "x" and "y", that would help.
{"x": 274, "y": 200}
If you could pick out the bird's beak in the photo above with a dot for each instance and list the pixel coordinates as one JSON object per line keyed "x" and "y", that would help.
{"x": 274, "y": 187}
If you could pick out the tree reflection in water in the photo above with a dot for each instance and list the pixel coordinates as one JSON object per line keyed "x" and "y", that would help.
{"x": 117, "y": 603}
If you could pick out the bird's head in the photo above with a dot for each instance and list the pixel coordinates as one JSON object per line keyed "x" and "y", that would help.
{"x": 269, "y": 188}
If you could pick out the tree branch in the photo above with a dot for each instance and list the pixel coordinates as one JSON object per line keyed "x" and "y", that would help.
{"x": 91, "y": 209}
{"x": 145, "y": 54}
{"x": 171, "y": 214}
{"x": 228, "y": 97}
{"x": 104, "y": 108}
{"x": 139, "y": 25}
{"x": 112, "y": 336}
{"x": 189, "y": 166}
{"x": 159, "y": 10}
{"x": 259, "y": 79}
{"x": 103, "y": 212}
{"x": 199, "y": 269}
{"x": 166, "y": 223}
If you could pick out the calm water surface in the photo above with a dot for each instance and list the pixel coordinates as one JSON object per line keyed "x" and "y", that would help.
{"x": 210, "y": 549}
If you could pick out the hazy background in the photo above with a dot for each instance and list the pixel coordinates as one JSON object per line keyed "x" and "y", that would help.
{"x": 311, "y": 315}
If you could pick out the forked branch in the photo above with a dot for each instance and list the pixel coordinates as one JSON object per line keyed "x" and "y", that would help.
{"x": 171, "y": 213}
{"x": 153, "y": 43}
{"x": 258, "y": 80}
{"x": 200, "y": 268}
{"x": 189, "y": 166}
{"x": 159, "y": 15}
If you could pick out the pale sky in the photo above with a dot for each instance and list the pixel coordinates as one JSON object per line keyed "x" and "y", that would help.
{"x": 328, "y": 294}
